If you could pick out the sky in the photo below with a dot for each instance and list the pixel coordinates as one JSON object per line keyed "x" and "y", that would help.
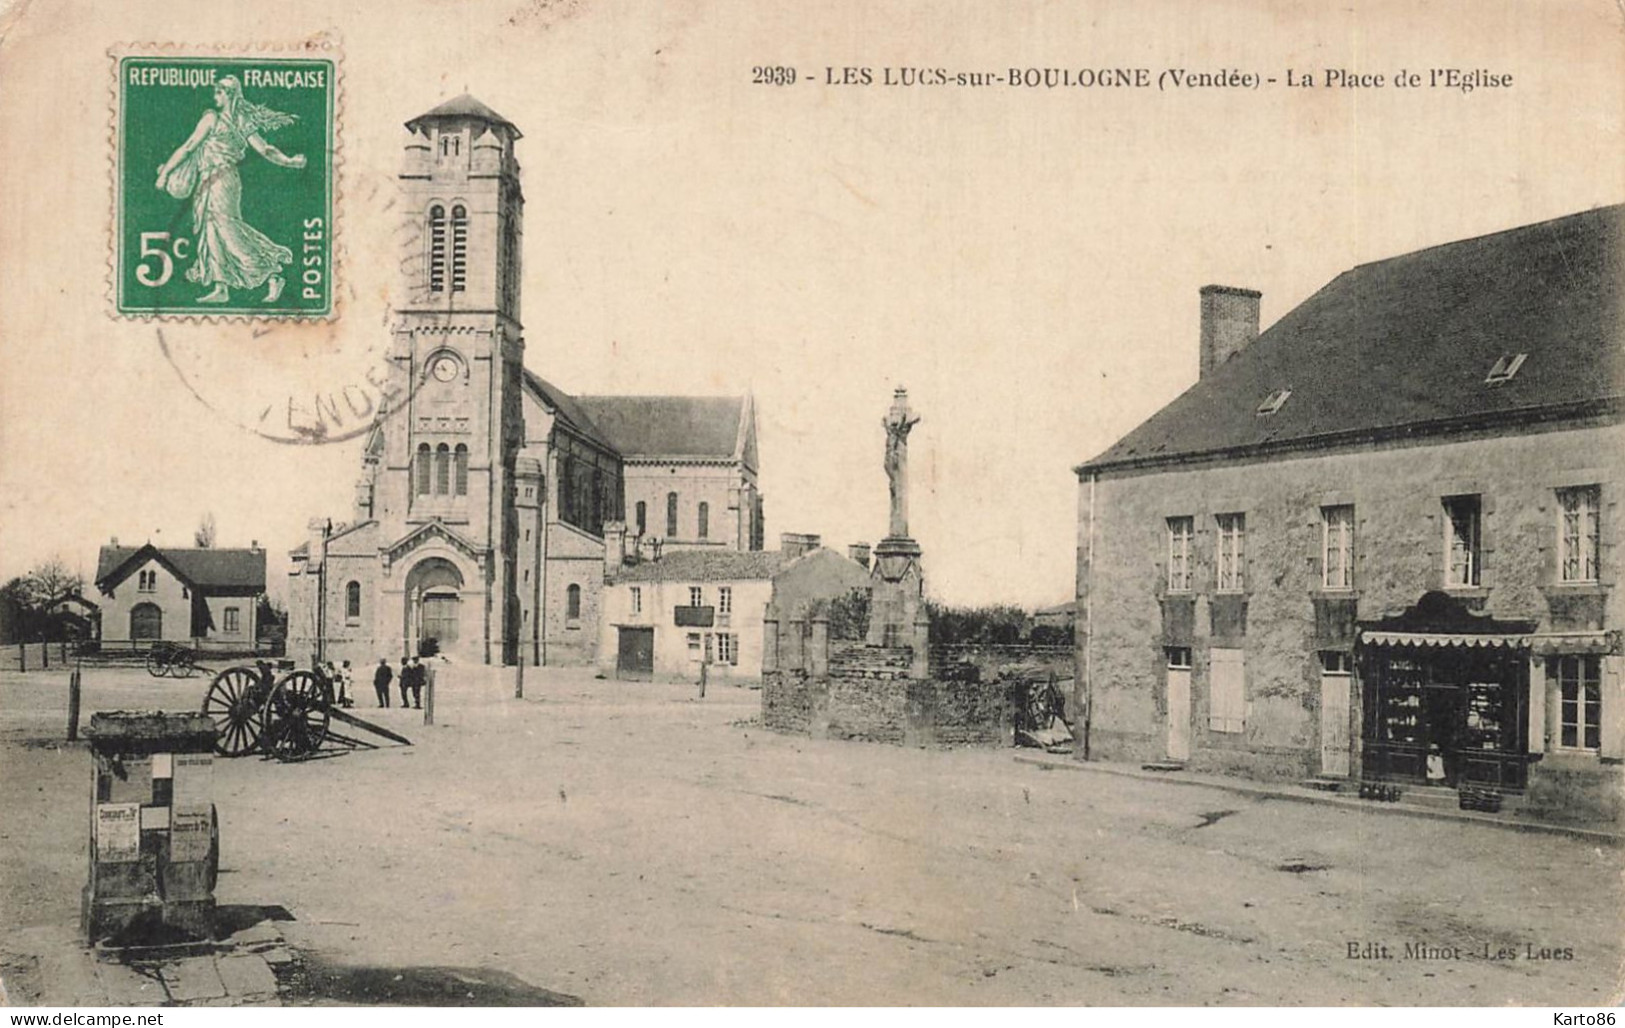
{"x": 1025, "y": 261}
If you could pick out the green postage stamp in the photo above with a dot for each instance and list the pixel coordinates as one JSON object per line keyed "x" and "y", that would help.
{"x": 223, "y": 191}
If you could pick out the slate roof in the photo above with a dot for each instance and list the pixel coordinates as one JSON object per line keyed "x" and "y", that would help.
{"x": 706, "y": 566}
{"x": 570, "y": 409}
{"x": 669, "y": 426}
{"x": 1402, "y": 346}
{"x": 464, "y": 106}
{"x": 236, "y": 570}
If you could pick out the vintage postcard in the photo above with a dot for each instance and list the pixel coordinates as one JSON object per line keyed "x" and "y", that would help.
{"x": 1056, "y": 503}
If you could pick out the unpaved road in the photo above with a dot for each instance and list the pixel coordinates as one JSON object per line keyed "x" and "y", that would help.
{"x": 629, "y": 844}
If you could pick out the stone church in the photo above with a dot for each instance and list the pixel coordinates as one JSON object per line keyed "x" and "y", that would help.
{"x": 492, "y": 505}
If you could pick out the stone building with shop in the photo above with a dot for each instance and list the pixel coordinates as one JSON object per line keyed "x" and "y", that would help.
{"x": 491, "y": 503}
{"x": 1379, "y": 539}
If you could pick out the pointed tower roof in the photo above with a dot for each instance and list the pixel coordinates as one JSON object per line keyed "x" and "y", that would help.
{"x": 464, "y": 106}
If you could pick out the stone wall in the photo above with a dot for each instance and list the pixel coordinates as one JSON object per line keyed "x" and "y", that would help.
{"x": 849, "y": 690}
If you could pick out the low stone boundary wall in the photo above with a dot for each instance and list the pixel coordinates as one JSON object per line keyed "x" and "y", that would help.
{"x": 877, "y": 694}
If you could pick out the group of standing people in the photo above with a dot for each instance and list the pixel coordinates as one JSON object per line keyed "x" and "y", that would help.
{"x": 340, "y": 681}
{"x": 413, "y": 676}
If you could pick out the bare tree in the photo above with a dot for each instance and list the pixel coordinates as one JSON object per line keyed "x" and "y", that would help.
{"x": 48, "y": 583}
{"x": 204, "y": 536}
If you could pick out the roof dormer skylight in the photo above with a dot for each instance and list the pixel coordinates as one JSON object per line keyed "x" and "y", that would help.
{"x": 1273, "y": 402}
{"x": 1505, "y": 368}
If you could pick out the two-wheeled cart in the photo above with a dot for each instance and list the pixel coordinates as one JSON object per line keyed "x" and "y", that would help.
{"x": 288, "y": 716}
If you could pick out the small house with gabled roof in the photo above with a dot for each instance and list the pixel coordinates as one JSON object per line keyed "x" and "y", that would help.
{"x": 1379, "y": 539}
{"x": 206, "y": 598}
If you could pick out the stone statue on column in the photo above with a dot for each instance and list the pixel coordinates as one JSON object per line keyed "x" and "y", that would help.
{"x": 897, "y": 422}
{"x": 896, "y": 598}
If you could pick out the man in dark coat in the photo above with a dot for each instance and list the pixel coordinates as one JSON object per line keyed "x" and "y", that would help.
{"x": 419, "y": 673}
{"x": 380, "y": 681}
{"x": 405, "y": 682}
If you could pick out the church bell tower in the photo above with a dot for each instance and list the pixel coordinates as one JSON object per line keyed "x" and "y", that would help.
{"x": 450, "y": 442}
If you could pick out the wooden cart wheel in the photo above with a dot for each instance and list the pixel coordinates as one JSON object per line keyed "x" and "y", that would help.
{"x": 157, "y": 662}
{"x": 182, "y": 664}
{"x": 233, "y": 702}
{"x": 296, "y": 716}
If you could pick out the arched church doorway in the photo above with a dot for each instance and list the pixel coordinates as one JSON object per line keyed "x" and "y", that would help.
{"x": 434, "y": 605}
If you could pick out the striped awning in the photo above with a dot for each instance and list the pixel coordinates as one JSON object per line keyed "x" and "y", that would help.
{"x": 1542, "y": 643}
{"x": 1445, "y": 640}
{"x": 1559, "y": 643}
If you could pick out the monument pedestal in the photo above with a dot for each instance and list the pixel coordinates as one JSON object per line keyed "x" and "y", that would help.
{"x": 897, "y": 593}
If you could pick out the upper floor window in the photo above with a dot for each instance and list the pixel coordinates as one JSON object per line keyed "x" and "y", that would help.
{"x": 705, "y": 520}
{"x": 671, "y": 515}
{"x": 725, "y": 599}
{"x": 637, "y": 599}
{"x": 1579, "y": 539}
{"x": 459, "y": 248}
{"x": 146, "y": 581}
{"x": 572, "y": 602}
{"x": 696, "y": 596}
{"x": 352, "y": 601}
{"x": 1579, "y": 686}
{"x": 229, "y": 622}
{"x": 1181, "y": 537}
{"x": 451, "y": 145}
{"x": 1463, "y": 537}
{"x": 459, "y": 462}
{"x": 437, "y": 249}
{"x": 1337, "y": 546}
{"x": 643, "y": 517}
{"x": 1232, "y": 552}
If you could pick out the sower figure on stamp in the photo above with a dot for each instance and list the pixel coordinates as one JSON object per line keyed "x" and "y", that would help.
{"x": 380, "y": 681}
{"x": 230, "y": 251}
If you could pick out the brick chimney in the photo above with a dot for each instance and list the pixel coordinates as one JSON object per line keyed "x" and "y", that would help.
{"x": 795, "y": 544}
{"x": 859, "y": 552}
{"x": 1229, "y": 324}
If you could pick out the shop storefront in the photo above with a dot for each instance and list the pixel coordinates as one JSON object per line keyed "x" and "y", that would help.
{"x": 1446, "y": 696}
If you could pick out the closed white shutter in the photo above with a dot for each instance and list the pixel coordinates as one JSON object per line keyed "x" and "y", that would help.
{"x": 1227, "y": 704}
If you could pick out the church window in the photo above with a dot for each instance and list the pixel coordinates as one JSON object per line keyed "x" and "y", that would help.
{"x": 510, "y": 260}
{"x": 146, "y": 581}
{"x": 442, "y": 469}
{"x": 671, "y": 515}
{"x": 572, "y": 602}
{"x": 437, "y": 249}
{"x": 451, "y": 146}
{"x": 567, "y": 491}
{"x": 643, "y": 517}
{"x": 597, "y": 501}
{"x": 460, "y": 464}
{"x": 459, "y": 248}
{"x": 352, "y": 601}
{"x": 705, "y": 520}
{"x": 424, "y": 470}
